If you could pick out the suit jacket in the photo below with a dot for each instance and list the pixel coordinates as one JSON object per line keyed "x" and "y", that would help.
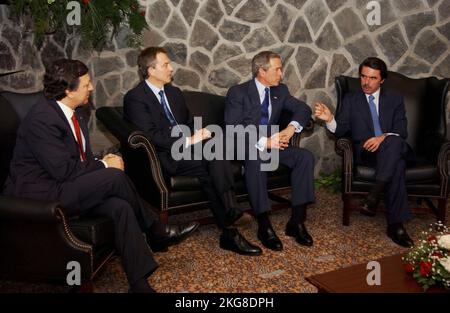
{"x": 143, "y": 109}
{"x": 243, "y": 105}
{"x": 354, "y": 119}
{"x": 46, "y": 155}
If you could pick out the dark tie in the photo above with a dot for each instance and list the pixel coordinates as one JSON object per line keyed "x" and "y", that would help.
{"x": 76, "y": 126}
{"x": 169, "y": 114}
{"x": 375, "y": 119}
{"x": 265, "y": 108}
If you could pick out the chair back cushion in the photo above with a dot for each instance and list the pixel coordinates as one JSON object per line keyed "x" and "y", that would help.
{"x": 424, "y": 100}
{"x": 13, "y": 108}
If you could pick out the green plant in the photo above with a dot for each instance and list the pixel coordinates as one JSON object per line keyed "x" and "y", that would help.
{"x": 331, "y": 181}
{"x": 99, "y": 19}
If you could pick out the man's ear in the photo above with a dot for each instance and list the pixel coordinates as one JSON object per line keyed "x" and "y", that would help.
{"x": 68, "y": 93}
{"x": 382, "y": 81}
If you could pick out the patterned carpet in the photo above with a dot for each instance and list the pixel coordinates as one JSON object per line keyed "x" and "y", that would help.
{"x": 199, "y": 265}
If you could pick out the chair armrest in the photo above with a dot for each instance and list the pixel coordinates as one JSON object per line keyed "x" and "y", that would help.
{"x": 138, "y": 139}
{"x": 344, "y": 148}
{"x": 444, "y": 154}
{"x": 12, "y": 208}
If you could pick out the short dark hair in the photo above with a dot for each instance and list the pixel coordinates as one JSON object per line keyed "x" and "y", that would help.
{"x": 62, "y": 75}
{"x": 262, "y": 60}
{"x": 376, "y": 64}
{"x": 147, "y": 58}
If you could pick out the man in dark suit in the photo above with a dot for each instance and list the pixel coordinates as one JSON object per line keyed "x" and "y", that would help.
{"x": 155, "y": 107}
{"x": 375, "y": 120}
{"x": 259, "y": 102}
{"x": 53, "y": 161}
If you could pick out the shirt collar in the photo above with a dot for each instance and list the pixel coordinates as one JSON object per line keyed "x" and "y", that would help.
{"x": 261, "y": 88}
{"x": 68, "y": 112}
{"x": 376, "y": 95}
{"x": 155, "y": 89}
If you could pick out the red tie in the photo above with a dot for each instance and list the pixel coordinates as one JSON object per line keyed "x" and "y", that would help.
{"x": 78, "y": 134}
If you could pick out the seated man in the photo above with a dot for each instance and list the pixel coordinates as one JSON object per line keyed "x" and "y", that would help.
{"x": 155, "y": 106}
{"x": 258, "y": 103}
{"x": 53, "y": 161}
{"x": 375, "y": 120}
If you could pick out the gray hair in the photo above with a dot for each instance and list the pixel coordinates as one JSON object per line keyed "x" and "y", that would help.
{"x": 262, "y": 60}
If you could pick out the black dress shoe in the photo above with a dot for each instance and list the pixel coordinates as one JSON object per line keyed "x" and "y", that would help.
{"x": 300, "y": 234}
{"x": 399, "y": 235}
{"x": 174, "y": 235}
{"x": 269, "y": 239}
{"x": 232, "y": 240}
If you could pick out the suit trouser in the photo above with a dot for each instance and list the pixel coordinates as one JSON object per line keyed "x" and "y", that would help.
{"x": 213, "y": 184}
{"x": 301, "y": 163}
{"x": 109, "y": 192}
{"x": 390, "y": 167}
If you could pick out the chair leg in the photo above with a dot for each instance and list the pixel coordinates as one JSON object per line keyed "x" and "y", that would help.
{"x": 164, "y": 217}
{"x": 442, "y": 207}
{"x": 346, "y": 210}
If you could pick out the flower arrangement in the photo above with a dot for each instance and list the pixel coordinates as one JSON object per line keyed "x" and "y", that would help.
{"x": 99, "y": 19}
{"x": 429, "y": 260}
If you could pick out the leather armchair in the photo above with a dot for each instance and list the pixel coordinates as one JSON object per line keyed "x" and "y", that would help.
{"x": 179, "y": 192}
{"x": 37, "y": 239}
{"x": 427, "y": 177}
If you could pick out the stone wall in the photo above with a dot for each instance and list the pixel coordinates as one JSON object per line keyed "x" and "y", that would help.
{"x": 211, "y": 43}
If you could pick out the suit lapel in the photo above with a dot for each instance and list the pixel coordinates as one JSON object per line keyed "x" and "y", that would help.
{"x": 365, "y": 112}
{"x": 383, "y": 110}
{"x": 255, "y": 100}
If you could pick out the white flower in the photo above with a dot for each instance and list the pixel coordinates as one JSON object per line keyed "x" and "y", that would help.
{"x": 445, "y": 262}
{"x": 444, "y": 241}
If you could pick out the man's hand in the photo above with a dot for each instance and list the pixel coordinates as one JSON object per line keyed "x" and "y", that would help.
{"x": 199, "y": 135}
{"x": 114, "y": 161}
{"x": 276, "y": 142}
{"x": 322, "y": 112}
{"x": 287, "y": 133}
{"x": 373, "y": 143}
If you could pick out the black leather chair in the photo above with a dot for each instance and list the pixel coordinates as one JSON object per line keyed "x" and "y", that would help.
{"x": 37, "y": 240}
{"x": 143, "y": 166}
{"x": 425, "y": 106}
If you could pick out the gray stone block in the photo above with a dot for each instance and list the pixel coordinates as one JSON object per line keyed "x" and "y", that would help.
{"x": 305, "y": 59}
{"x": 348, "y": 23}
{"x": 131, "y": 57}
{"x": 241, "y": 65}
{"x": 233, "y": 31}
{"x": 334, "y": 5}
{"x": 100, "y": 96}
{"x": 280, "y": 21}
{"x": 416, "y": 22}
{"x": 176, "y": 28}
{"x": 445, "y": 30}
{"x": 102, "y": 65}
{"x": 387, "y": 12}
{"x": 199, "y": 61}
{"x": 291, "y": 78}
{"x": 328, "y": 39}
{"x": 296, "y": 3}
{"x": 285, "y": 52}
{"x": 150, "y": 37}
{"x": 223, "y": 78}
{"x": 405, "y": 6}
{"x": 177, "y": 52}
{"x": 211, "y": 12}
{"x": 339, "y": 65}
{"x": 230, "y": 5}
{"x": 51, "y": 52}
{"x": 225, "y": 52}
{"x": 30, "y": 56}
{"x": 112, "y": 84}
{"x": 12, "y": 36}
{"x": 260, "y": 37}
{"x": 412, "y": 67}
{"x": 203, "y": 36}
{"x": 443, "y": 69}
{"x": 253, "y": 11}
{"x": 444, "y": 10}
{"x": 392, "y": 43}
{"x": 361, "y": 49}
{"x": 129, "y": 80}
{"x": 22, "y": 81}
{"x": 185, "y": 77}
{"x": 188, "y": 9}
{"x": 316, "y": 13}
{"x": 158, "y": 13}
{"x": 429, "y": 46}
{"x": 318, "y": 76}
{"x": 300, "y": 32}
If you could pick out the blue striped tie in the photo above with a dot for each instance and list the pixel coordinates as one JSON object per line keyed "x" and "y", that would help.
{"x": 169, "y": 114}
{"x": 375, "y": 119}
{"x": 265, "y": 109}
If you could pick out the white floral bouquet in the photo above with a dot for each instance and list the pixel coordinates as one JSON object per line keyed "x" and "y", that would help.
{"x": 429, "y": 260}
